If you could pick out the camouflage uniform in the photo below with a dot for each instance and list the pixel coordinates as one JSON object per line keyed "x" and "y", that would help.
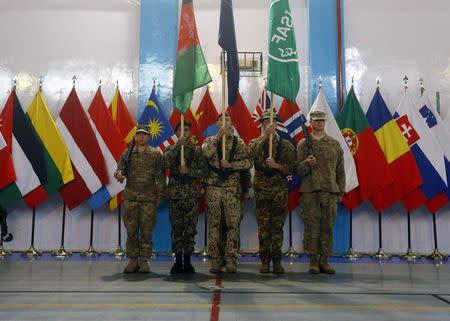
{"x": 271, "y": 194}
{"x": 321, "y": 188}
{"x": 183, "y": 192}
{"x": 223, "y": 195}
{"x": 144, "y": 188}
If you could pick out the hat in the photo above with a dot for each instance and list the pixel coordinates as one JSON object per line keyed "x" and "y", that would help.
{"x": 317, "y": 115}
{"x": 143, "y": 129}
{"x": 266, "y": 115}
{"x": 220, "y": 116}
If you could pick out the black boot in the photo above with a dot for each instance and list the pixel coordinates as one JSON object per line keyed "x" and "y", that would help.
{"x": 177, "y": 268}
{"x": 188, "y": 268}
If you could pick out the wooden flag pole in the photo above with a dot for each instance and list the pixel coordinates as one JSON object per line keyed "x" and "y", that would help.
{"x": 223, "y": 104}
{"x": 182, "y": 146}
{"x": 271, "y": 123}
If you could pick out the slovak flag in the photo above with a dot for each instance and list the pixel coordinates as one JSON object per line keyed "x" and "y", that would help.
{"x": 426, "y": 150}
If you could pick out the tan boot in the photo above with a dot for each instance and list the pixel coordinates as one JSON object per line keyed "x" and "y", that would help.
{"x": 265, "y": 267}
{"x": 314, "y": 264}
{"x": 324, "y": 267}
{"x": 231, "y": 266}
{"x": 143, "y": 265}
{"x": 132, "y": 266}
{"x": 277, "y": 267}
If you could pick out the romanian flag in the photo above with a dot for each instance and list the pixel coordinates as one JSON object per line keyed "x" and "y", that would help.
{"x": 401, "y": 161}
{"x": 371, "y": 165}
{"x": 191, "y": 71}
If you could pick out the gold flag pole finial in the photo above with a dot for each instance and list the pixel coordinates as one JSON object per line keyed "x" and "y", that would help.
{"x": 378, "y": 82}
{"x": 353, "y": 81}
{"x": 74, "y": 80}
{"x": 99, "y": 83}
{"x": 117, "y": 84}
{"x": 14, "y": 83}
{"x": 40, "y": 83}
{"x": 405, "y": 82}
{"x": 320, "y": 83}
{"x": 422, "y": 87}
{"x": 154, "y": 82}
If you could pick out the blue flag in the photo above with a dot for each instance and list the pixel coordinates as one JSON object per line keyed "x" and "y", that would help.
{"x": 227, "y": 40}
{"x": 161, "y": 133}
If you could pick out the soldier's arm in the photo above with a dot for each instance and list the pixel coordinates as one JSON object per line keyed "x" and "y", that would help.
{"x": 253, "y": 148}
{"x": 340, "y": 171}
{"x": 199, "y": 167}
{"x": 209, "y": 147}
{"x": 302, "y": 168}
{"x": 242, "y": 160}
{"x": 121, "y": 163}
{"x": 169, "y": 155}
{"x": 246, "y": 181}
{"x": 160, "y": 175}
{"x": 288, "y": 159}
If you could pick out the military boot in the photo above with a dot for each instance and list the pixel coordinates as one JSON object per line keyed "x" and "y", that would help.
{"x": 143, "y": 265}
{"x": 277, "y": 267}
{"x": 265, "y": 266}
{"x": 177, "y": 267}
{"x": 314, "y": 264}
{"x": 187, "y": 266}
{"x": 231, "y": 266}
{"x": 132, "y": 266}
{"x": 324, "y": 267}
{"x": 216, "y": 266}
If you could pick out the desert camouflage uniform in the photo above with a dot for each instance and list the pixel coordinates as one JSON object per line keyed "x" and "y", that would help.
{"x": 223, "y": 195}
{"x": 183, "y": 192}
{"x": 271, "y": 194}
{"x": 320, "y": 190}
{"x": 145, "y": 186}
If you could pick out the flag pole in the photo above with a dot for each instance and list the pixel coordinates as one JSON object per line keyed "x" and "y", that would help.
{"x": 381, "y": 255}
{"x": 90, "y": 252}
{"x": 410, "y": 255}
{"x": 351, "y": 254}
{"x": 119, "y": 252}
{"x": 436, "y": 255}
{"x": 291, "y": 252}
{"x": 32, "y": 251}
{"x": 182, "y": 135}
{"x": 271, "y": 123}
{"x": 223, "y": 103}
{"x": 61, "y": 252}
{"x": 3, "y": 251}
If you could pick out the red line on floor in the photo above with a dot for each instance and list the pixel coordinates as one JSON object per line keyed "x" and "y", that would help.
{"x": 215, "y": 308}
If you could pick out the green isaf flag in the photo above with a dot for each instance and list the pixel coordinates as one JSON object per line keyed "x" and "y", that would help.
{"x": 191, "y": 70}
{"x": 283, "y": 77}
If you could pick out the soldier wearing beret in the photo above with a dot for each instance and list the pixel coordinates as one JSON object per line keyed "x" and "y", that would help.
{"x": 141, "y": 166}
{"x": 271, "y": 192}
{"x": 183, "y": 193}
{"x": 321, "y": 163}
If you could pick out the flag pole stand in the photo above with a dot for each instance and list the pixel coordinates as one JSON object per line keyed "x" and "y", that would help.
{"x": 381, "y": 255}
{"x": 61, "y": 252}
{"x": 351, "y": 254}
{"x": 436, "y": 255}
{"x": 119, "y": 252}
{"x": 32, "y": 251}
{"x": 291, "y": 252}
{"x": 203, "y": 252}
{"x": 90, "y": 252}
{"x": 3, "y": 251}
{"x": 410, "y": 255}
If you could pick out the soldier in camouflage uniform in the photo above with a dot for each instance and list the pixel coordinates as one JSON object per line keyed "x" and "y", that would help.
{"x": 141, "y": 166}
{"x": 322, "y": 188}
{"x": 183, "y": 196}
{"x": 223, "y": 194}
{"x": 271, "y": 192}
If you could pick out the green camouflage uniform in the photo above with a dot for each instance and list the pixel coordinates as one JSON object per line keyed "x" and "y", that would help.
{"x": 223, "y": 194}
{"x": 144, "y": 188}
{"x": 271, "y": 194}
{"x": 183, "y": 192}
{"x": 320, "y": 191}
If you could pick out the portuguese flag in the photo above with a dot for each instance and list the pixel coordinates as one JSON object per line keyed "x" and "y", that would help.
{"x": 371, "y": 164}
{"x": 191, "y": 70}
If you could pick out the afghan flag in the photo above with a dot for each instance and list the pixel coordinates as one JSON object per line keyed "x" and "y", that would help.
{"x": 56, "y": 156}
{"x": 283, "y": 77}
{"x": 371, "y": 165}
{"x": 191, "y": 71}
{"x": 27, "y": 153}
